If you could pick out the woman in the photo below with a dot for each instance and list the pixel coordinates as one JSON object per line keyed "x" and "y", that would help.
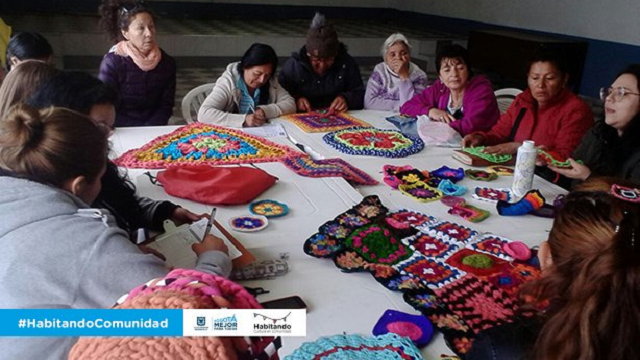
{"x": 458, "y": 98}
{"x": 547, "y": 113}
{"x": 611, "y": 147}
{"x": 591, "y": 281}
{"x": 396, "y": 79}
{"x": 22, "y": 82}
{"x": 58, "y": 252}
{"x": 247, "y": 94}
{"x": 28, "y": 46}
{"x": 88, "y": 95}
{"x": 142, "y": 73}
{"x": 323, "y": 74}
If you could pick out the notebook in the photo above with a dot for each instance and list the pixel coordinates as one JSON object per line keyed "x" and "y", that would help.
{"x": 175, "y": 244}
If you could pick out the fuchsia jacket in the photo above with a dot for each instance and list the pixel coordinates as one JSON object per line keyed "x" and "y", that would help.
{"x": 479, "y": 105}
{"x": 559, "y": 126}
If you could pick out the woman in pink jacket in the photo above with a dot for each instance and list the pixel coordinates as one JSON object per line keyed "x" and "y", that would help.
{"x": 464, "y": 101}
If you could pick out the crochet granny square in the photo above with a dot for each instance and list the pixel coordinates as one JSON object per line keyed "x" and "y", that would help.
{"x": 461, "y": 281}
{"x": 421, "y": 192}
{"x": 319, "y": 121}
{"x": 431, "y": 272}
{"x": 200, "y": 143}
{"x": 492, "y": 245}
{"x": 452, "y": 231}
{"x": 374, "y": 142}
{"x": 432, "y": 246}
{"x": 478, "y": 302}
{"x": 305, "y": 166}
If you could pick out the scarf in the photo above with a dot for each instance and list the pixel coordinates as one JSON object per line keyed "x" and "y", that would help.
{"x": 145, "y": 63}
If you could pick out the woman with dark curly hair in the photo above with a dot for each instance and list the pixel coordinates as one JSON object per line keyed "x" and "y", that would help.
{"x": 142, "y": 73}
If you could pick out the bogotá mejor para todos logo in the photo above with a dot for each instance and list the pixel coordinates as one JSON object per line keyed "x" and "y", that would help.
{"x": 272, "y": 325}
{"x": 226, "y": 323}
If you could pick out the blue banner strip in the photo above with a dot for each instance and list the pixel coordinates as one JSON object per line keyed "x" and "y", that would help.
{"x": 90, "y": 322}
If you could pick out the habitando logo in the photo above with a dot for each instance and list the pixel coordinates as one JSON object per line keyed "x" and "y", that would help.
{"x": 273, "y": 325}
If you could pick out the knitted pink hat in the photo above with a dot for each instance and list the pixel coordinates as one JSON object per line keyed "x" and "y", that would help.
{"x": 180, "y": 289}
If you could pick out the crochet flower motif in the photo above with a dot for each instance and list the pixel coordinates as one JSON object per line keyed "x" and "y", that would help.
{"x": 350, "y": 260}
{"x": 372, "y": 138}
{"x": 269, "y": 208}
{"x": 353, "y": 220}
{"x": 376, "y": 244}
{"x": 491, "y": 310}
{"x": 248, "y": 223}
{"x": 336, "y": 230}
{"x": 372, "y": 141}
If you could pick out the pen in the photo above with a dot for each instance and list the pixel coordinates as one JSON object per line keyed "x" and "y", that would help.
{"x": 210, "y": 222}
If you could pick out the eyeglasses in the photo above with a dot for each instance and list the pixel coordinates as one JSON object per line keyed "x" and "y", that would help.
{"x": 618, "y": 93}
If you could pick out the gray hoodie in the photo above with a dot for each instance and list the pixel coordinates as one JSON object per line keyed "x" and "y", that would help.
{"x": 58, "y": 253}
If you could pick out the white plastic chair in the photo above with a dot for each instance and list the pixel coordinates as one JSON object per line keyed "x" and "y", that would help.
{"x": 505, "y": 97}
{"x": 193, "y": 100}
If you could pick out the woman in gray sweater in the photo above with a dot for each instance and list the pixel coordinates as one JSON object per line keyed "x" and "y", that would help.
{"x": 57, "y": 251}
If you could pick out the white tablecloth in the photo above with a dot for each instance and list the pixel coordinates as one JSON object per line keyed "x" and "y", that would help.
{"x": 338, "y": 302}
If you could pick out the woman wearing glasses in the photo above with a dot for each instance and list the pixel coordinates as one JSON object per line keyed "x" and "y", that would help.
{"x": 142, "y": 73}
{"x": 611, "y": 147}
{"x": 547, "y": 113}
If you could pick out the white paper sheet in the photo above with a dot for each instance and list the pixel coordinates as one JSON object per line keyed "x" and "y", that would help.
{"x": 176, "y": 245}
{"x": 268, "y": 130}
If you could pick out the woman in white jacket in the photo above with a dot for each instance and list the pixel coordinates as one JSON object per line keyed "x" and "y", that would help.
{"x": 247, "y": 94}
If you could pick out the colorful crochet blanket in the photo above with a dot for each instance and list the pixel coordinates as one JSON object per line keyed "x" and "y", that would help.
{"x": 200, "y": 143}
{"x": 461, "y": 280}
{"x": 374, "y": 142}
{"x": 319, "y": 121}
{"x": 355, "y": 347}
{"x": 305, "y": 166}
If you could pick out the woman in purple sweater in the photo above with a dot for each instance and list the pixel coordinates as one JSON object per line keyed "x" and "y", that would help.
{"x": 458, "y": 98}
{"x": 395, "y": 80}
{"x": 142, "y": 73}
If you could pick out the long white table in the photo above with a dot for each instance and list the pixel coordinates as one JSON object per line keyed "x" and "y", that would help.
{"x": 338, "y": 302}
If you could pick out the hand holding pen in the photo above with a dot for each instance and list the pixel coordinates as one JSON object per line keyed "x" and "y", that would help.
{"x": 258, "y": 118}
{"x": 210, "y": 242}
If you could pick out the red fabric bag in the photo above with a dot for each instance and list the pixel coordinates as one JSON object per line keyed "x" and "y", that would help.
{"x": 219, "y": 185}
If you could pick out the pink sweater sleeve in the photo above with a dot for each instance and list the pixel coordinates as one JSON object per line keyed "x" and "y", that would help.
{"x": 421, "y": 103}
{"x": 479, "y": 106}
